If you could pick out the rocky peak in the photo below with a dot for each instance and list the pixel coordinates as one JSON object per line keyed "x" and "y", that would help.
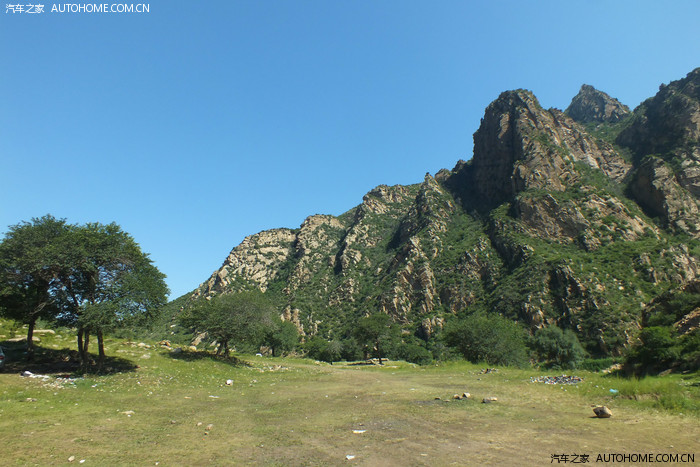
{"x": 668, "y": 121}
{"x": 519, "y": 146}
{"x": 591, "y": 105}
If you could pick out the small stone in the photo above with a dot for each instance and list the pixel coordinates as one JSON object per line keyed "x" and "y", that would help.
{"x": 466, "y": 395}
{"x": 602, "y": 412}
{"x": 488, "y": 400}
{"x": 456, "y": 397}
{"x": 210, "y": 426}
{"x": 229, "y": 382}
{"x": 71, "y": 458}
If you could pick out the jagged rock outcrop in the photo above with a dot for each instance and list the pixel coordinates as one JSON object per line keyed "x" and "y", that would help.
{"x": 665, "y": 137}
{"x": 655, "y": 186}
{"x": 667, "y": 122}
{"x": 591, "y": 105}
{"x": 521, "y": 146}
{"x": 253, "y": 263}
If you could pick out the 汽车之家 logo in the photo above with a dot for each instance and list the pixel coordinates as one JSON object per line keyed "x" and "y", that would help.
{"x": 79, "y": 8}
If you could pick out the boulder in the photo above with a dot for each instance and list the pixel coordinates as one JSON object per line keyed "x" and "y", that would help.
{"x": 602, "y": 412}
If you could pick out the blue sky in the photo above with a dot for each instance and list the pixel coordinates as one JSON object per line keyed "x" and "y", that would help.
{"x": 199, "y": 123}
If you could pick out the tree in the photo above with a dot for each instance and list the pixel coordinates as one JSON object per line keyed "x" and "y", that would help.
{"x": 282, "y": 336}
{"x": 377, "y": 332}
{"x": 94, "y": 277}
{"x": 243, "y": 317}
{"x": 107, "y": 282}
{"x": 558, "y": 348}
{"x": 28, "y": 269}
{"x": 491, "y": 338}
{"x": 658, "y": 348}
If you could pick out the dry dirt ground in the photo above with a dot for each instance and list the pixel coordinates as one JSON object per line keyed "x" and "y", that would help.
{"x": 295, "y": 412}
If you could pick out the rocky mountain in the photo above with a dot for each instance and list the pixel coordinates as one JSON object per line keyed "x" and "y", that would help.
{"x": 591, "y": 105}
{"x": 585, "y": 219}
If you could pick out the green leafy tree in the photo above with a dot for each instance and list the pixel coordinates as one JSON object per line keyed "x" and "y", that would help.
{"x": 107, "y": 282}
{"x": 28, "y": 270}
{"x": 244, "y": 318}
{"x": 281, "y": 337}
{"x": 658, "y": 348}
{"x": 378, "y": 333}
{"x": 558, "y": 348}
{"x": 321, "y": 349}
{"x": 94, "y": 277}
{"x": 488, "y": 338}
{"x": 413, "y": 352}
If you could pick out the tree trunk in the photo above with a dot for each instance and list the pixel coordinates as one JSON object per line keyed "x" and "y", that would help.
{"x": 83, "y": 343}
{"x": 101, "y": 345}
{"x": 30, "y": 340}
{"x": 81, "y": 356}
{"x": 379, "y": 353}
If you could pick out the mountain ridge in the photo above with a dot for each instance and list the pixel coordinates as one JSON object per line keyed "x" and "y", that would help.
{"x": 560, "y": 218}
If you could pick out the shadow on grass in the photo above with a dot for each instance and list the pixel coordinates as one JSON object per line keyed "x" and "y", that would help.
{"x": 57, "y": 361}
{"x": 189, "y": 356}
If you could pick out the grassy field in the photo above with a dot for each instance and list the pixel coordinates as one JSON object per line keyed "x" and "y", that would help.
{"x": 164, "y": 409}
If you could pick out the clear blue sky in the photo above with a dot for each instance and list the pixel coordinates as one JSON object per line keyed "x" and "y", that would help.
{"x": 199, "y": 123}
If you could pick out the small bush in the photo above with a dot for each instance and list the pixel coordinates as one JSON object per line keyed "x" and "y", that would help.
{"x": 557, "y": 348}
{"x": 413, "y": 353}
{"x": 488, "y": 338}
{"x": 597, "y": 364}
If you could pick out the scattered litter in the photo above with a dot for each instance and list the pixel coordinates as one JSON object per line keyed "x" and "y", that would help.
{"x": 614, "y": 391}
{"x": 29, "y": 374}
{"x": 488, "y": 370}
{"x": 229, "y": 382}
{"x": 214, "y": 397}
{"x": 358, "y": 431}
{"x": 128, "y": 413}
{"x": 349, "y": 457}
{"x": 488, "y": 400}
{"x": 563, "y": 379}
{"x": 71, "y": 458}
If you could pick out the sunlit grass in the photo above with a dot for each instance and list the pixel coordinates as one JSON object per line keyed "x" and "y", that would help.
{"x": 179, "y": 410}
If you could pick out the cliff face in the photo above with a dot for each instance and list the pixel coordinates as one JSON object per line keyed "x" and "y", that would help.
{"x": 551, "y": 222}
{"x": 664, "y": 136}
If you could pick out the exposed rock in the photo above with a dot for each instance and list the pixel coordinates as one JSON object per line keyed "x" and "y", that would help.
{"x": 654, "y": 184}
{"x": 521, "y": 146}
{"x": 667, "y": 122}
{"x": 488, "y": 400}
{"x": 689, "y": 322}
{"x": 591, "y": 105}
{"x": 602, "y": 412}
{"x": 253, "y": 262}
